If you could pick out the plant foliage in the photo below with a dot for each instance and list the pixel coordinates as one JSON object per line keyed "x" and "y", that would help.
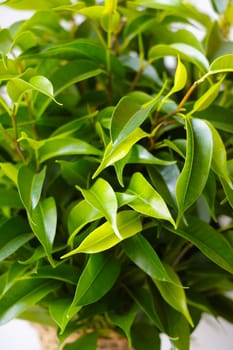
{"x": 116, "y": 168}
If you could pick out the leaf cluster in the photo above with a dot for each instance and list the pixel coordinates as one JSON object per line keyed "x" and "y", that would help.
{"x": 116, "y": 169}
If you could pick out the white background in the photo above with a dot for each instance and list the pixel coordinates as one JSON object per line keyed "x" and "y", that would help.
{"x": 211, "y": 334}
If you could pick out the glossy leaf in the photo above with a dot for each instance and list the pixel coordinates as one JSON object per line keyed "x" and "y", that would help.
{"x": 208, "y": 97}
{"x": 43, "y": 222}
{"x": 59, "y": 146}
{"x": 22, "y": 295}
{"x": 58, "y": 310}
{"x": 98, "y": 276}
{"x": 115, "y": 152}
{"x": 212, "y": 243}
{"x": 103, "y": 237}
{"x": 80, "y": 215}
{"x": 139, "y": 250}
{"x": 30, "y": 186}
{"x": 186, "y": 52}
{"x": 222, "y": 64}
{"x": 179, "y": 79}
{"x": 127, "y": 117}
{"x": 194, "y": 175}
{"x": 102, "y": 197}
{"x": 219, "y": 160}
{"x": 17, "y": 87}
{"x": 174, "y": 294}
{"x": 147, "y": 200}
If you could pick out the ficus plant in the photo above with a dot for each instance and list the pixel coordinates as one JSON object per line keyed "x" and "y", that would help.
{"x": 116, "y": 169}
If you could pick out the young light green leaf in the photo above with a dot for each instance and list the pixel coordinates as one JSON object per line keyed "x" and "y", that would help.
{"x": 98, "y": 276}
{"x": 17, "y": 87}
{"x": 103, "y": 237}
{"x": 147, "y": 200}
{"x": 115, "y": 152}
{"x": 194, "y": 175}
{"x": 174, "y": 294}
{"x": 211, "y": 243}
{"x": 219, "y": 160}
{"x": 208, "y": 97}
{"x": 30, "y": 186}
{"x": 139, "y": 250}
{"x": 180, "y": 78}
{"x": 80, "y": 215}
{"x": 59, "y": 146}
{"x": 186, "y": 52}
{"x": 102, "y": 197}
{"x": 10, "y": 170}
{"x": 127, "y": 116}
{"x": 43, "y": 222}
{"x": 222, "y": 64}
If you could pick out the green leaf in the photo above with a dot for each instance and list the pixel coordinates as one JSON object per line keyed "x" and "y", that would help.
{"x": 15, "y": 234}
{"x": 66, "y": 75}
{"x": 10, "y": 170}
{"x": 194, "y": 175}
{"x": 115, "y": 152}
{"x": 43, "y": 222}
{"x": 17, "y": 87}
{"x": 5, "y": 43}
{"x": 174, "y": 294}
{"x": 63, "y": 272}
{"x": 102, "y": 197}
{"x": 210, "y": 242}
{"x": 59, "y": 146}
{"x": 30, "y": 186}
{"x": 186, "y": 52}
{"x": 219, "y": 160}
{"x": 147, "y": 200}
{"x": 139, "y": 250}
{"x": 23, "y": 294}
{"x": 87, "y": 341}
{"x": 97, "y": 278}
{"x": 222, "y": 64}
{"x": 180, "y": 78}
{"x": 127, "y": 116}
{"x": 137, "y": 155}
{"x": 125, "y": 320}
{"x": 208, "y": 97}
{"x": 38, "y": 5}
{"x": 103, "y": 237}
{"x": 58, "y": 310}
{"x": 80, "y": 215}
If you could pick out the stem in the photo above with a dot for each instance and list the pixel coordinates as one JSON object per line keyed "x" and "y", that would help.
{"x": 182, "y": 253}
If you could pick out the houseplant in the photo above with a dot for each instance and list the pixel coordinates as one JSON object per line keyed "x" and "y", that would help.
{"x": 116, "y": 169}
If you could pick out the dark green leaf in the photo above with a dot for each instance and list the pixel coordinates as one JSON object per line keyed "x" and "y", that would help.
{"x": 145, "y": 257}
{"x": 22, "y": 295}
{"x": 194, "y": 175}
{"x": 210, "y": 242}
{"x": 87, "y": 341}
{"x": 43, "y": 222}
{"x": 98, "y": 276}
